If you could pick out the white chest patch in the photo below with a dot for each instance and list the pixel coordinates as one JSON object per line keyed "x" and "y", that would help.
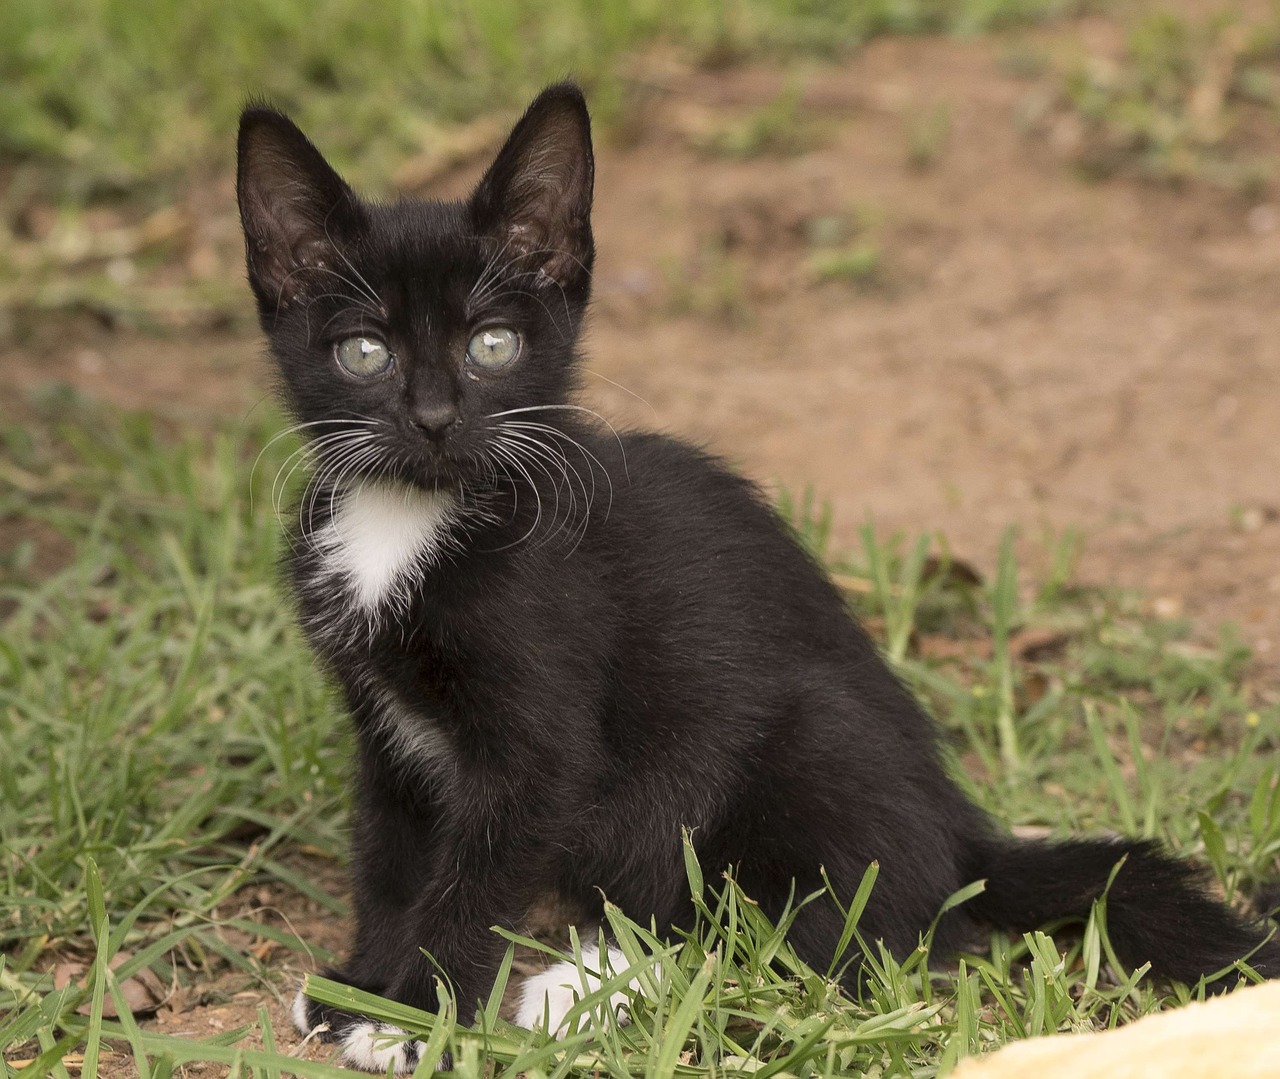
{"x": 379, "y": 534}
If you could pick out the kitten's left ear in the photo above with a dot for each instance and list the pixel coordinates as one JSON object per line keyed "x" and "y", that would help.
{"x": 536, "y": 197}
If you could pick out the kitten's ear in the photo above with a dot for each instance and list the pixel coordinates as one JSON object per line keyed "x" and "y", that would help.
{"x": 295, "y": 210}
{"x": 536, "y": 197}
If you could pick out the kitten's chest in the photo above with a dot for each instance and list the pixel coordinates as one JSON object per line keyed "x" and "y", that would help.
{"x": 363, "y": 567}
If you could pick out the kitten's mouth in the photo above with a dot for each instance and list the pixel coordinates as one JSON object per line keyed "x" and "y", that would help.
{"x": 442, "y": 471}
{"x": 436, "y": 476}
{"x": 432, "y": 472}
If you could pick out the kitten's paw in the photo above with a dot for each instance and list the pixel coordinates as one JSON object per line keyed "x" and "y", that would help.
{"x": 366, "y": 1044}
{"x": 546, "y": 998}
{"x": 308, "y": 1015}
{"x": 373, "y": 1047}
{"x": 311, "y": 1018}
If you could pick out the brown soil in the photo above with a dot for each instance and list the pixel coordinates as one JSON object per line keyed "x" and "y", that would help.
{"x": 1032, "y": 349}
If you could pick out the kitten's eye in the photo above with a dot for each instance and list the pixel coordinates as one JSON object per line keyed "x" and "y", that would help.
{"x": 494, "y": 348}
{"x": 364, "y": 357}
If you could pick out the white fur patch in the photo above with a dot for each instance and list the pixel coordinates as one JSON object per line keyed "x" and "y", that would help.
{"x": 415, "y": 737}
{"x": 299, "y": 1012}
{"x": 546, "y": 998}
{"x": 373, "y": 1047}
{"x": 378, "y": 533}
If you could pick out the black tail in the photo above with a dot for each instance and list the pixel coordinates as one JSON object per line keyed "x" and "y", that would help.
{"x": 1159, "y": 909}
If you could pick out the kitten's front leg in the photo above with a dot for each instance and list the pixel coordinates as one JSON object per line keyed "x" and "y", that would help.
{"x": 391, "y": 858}
{"x": 479, "y": 885}
{"x": 485, "y": 872}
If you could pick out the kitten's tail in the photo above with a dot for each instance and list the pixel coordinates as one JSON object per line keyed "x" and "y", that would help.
{"x": 1159, "y": 909}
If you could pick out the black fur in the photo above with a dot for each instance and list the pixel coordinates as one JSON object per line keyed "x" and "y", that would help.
{"x": 660, "y": 656}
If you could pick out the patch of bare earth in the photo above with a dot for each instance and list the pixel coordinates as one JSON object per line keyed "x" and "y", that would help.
{"x": 1031, "y": 349}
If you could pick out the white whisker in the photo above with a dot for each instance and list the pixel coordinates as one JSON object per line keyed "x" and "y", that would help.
{"x": 589, "y": 457}
{"x": 568, "y": 408}
{"x": 624, "y": 389}
{"x": 566, "y": 467}
{"x": 539, "y": 455}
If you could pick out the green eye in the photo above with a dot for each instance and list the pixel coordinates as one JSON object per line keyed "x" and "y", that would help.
{"x": 494, "y": 348}
{"x": 364, "y": 357}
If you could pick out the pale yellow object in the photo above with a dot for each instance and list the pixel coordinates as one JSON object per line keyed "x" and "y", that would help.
{"x": 1236, "y": 1036}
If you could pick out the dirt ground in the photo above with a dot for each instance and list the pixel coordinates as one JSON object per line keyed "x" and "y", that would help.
{"x": 1032, "y": 349}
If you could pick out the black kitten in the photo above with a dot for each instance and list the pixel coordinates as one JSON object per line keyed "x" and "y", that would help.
{"x": 560, "y": 647}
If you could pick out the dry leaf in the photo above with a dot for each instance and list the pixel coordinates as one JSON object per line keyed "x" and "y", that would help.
{"x": 1234, "y": 1035}
{"x": 951, "y": 570}
{"x": 937, "y": 646}
{"x": 144, "y": 992}
{"x": 1037, "y": 645}
{"x": 847, "y": 582}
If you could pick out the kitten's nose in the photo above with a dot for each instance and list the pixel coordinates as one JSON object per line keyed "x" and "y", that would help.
{"x": 435, "y": 418}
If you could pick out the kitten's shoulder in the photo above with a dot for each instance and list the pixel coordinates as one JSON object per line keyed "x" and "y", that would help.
{"x": 658, "y": 455}
{"x": 680, "y": 488}
{"x": 662, "y": 462}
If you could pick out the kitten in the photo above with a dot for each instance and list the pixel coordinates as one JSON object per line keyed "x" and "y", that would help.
{"x": 561, "y": 646}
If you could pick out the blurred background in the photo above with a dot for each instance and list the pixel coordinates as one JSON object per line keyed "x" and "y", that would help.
{"x": 955, "y": 264}
{"x": 925, "y": 268}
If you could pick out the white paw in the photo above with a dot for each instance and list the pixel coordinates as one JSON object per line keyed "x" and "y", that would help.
{"x": 546, "y": 998}
{"x": 366, "y": 1044}
{"x": 373, "y": 1047}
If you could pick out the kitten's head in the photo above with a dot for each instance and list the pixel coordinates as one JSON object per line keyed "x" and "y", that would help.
{"x": 402, "y": 330}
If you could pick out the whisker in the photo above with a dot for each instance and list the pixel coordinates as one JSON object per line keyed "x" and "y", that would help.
{"x": 368, "y": 289}
{"x": 525, "y": 292}
{"x": 361, "y": 309}
{"x": 569, "y": 408}
{"x": 541, "y": 454}
{"x": 623, "y": 388}
{"x": 567, "y": 466}
{"x": 293, "y": 428}
{"x": 588, "y": 456}
{"x": 509, "y": 457}
{"x": 351, "y": 464}
{"x": 489, "y": 275}
{"x": 315, "y": 450}
{"x": 327, "y": 457}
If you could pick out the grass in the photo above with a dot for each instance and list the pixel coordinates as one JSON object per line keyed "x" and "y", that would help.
{"x": 1188, "y": 100}
{"x": 846, "y": 247}
{"x": 712, "y": 284}
{"x": 927, "y": 133}
{"x": 171, "y": 756}
{"x": 170, "y": 749}
{"x": 166, "y": 738}
{"x": 119, "y": 91}
{"x": 778, "y": 128}
{"x": 859, "y": 263}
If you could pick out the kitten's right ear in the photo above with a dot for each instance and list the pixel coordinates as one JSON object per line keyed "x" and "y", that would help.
{"x": 295, "y": 210}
